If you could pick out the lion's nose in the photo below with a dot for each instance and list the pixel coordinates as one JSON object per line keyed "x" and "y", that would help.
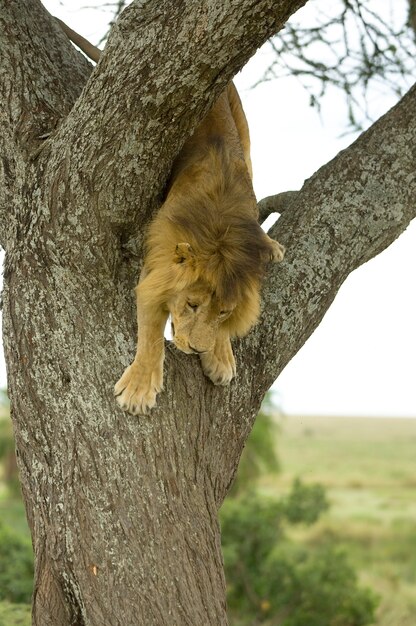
{"x": 195, "y": 350}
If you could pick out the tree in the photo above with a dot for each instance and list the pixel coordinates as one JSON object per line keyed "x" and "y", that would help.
{"x": 353, "y": 46}
{"x": 123, "y": 511}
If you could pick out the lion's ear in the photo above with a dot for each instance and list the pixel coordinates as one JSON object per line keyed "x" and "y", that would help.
{"x": 183, "y": 253}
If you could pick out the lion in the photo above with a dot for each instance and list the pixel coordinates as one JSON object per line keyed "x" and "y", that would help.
{"x": 205, "y": 256}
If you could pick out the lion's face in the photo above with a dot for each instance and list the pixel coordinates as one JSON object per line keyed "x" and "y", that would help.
{"x": 196, "y": 315}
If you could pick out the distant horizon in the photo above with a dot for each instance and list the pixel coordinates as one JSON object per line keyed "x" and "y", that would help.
{"x": 343, "y": 416}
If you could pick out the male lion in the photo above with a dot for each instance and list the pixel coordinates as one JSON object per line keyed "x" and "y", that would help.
{"x": 205, "y": 256}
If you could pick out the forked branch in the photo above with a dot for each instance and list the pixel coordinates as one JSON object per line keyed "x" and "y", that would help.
{"x": 356, "y": 206}
{"x": 129, "y": 123}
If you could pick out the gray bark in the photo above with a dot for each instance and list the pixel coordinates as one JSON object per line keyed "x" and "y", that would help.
{"x": 123, "y": 511}
{"x": 275, "y": 204}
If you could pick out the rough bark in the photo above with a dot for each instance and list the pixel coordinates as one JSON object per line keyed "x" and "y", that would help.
{"x": 123, "y": 511}
{"x": 275, "y": 204}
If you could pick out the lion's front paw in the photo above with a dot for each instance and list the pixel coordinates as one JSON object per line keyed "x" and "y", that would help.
{"x": 137, "y": 389}
{"x": 219, "y": 365}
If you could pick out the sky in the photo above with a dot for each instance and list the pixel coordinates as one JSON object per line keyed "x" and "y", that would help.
{"x": 361, "y": 360}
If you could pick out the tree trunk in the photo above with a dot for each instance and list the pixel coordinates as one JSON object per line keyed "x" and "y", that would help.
{"x": 123, "y": 510}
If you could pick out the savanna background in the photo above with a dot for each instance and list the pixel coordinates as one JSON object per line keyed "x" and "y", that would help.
{"x": 320, "y": 527}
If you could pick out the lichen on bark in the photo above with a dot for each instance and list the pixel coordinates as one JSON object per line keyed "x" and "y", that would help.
{"x": 123, "y": 511}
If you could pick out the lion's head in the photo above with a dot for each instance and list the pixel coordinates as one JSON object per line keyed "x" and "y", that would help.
{"x": 208, "y": 268}
{"x": 196, "y": 314}
{"x": 217, "y": 286}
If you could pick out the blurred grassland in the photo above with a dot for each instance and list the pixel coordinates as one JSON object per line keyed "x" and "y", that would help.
{"x": 14, "y": 614}
{"x": 12, "y": 515}
{"x": 367, "y": 466}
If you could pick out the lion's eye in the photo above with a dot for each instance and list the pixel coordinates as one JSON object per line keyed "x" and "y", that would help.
{"x": 193, "y": 306}
{"x": 223, "y": 313}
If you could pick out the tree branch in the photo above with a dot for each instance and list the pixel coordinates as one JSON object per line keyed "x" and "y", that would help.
{"x": 41, "y": 75}
{"x": 275, "y": 204}
{"x": 356, "y": 206}
{"x": 168, "y": 72}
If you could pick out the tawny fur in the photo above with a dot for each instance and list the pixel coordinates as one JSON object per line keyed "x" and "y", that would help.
{"x": 91, "y": 51}
{"x": 205, "y": 256}
{"x": 205, "y": 259}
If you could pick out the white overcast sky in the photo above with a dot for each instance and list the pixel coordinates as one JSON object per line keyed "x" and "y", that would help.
{"x": 361, "y": 359}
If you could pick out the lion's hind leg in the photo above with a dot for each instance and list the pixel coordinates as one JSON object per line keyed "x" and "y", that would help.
{"x": 277, "y": 251}
{"x": 219, "y": 364}
{"x": 240, "y": 121}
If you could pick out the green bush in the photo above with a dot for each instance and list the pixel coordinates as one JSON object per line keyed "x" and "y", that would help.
{"x": 305, "y": 503}
{"x": 315, "y": 588}
{"x": 9, "y": 472}
{"x": 274, "y": 581}
{"x": 259, "y": 456}
{"x": 16, "y": 572}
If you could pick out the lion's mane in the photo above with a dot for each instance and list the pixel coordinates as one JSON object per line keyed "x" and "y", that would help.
{"x": 217, "y": 218}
